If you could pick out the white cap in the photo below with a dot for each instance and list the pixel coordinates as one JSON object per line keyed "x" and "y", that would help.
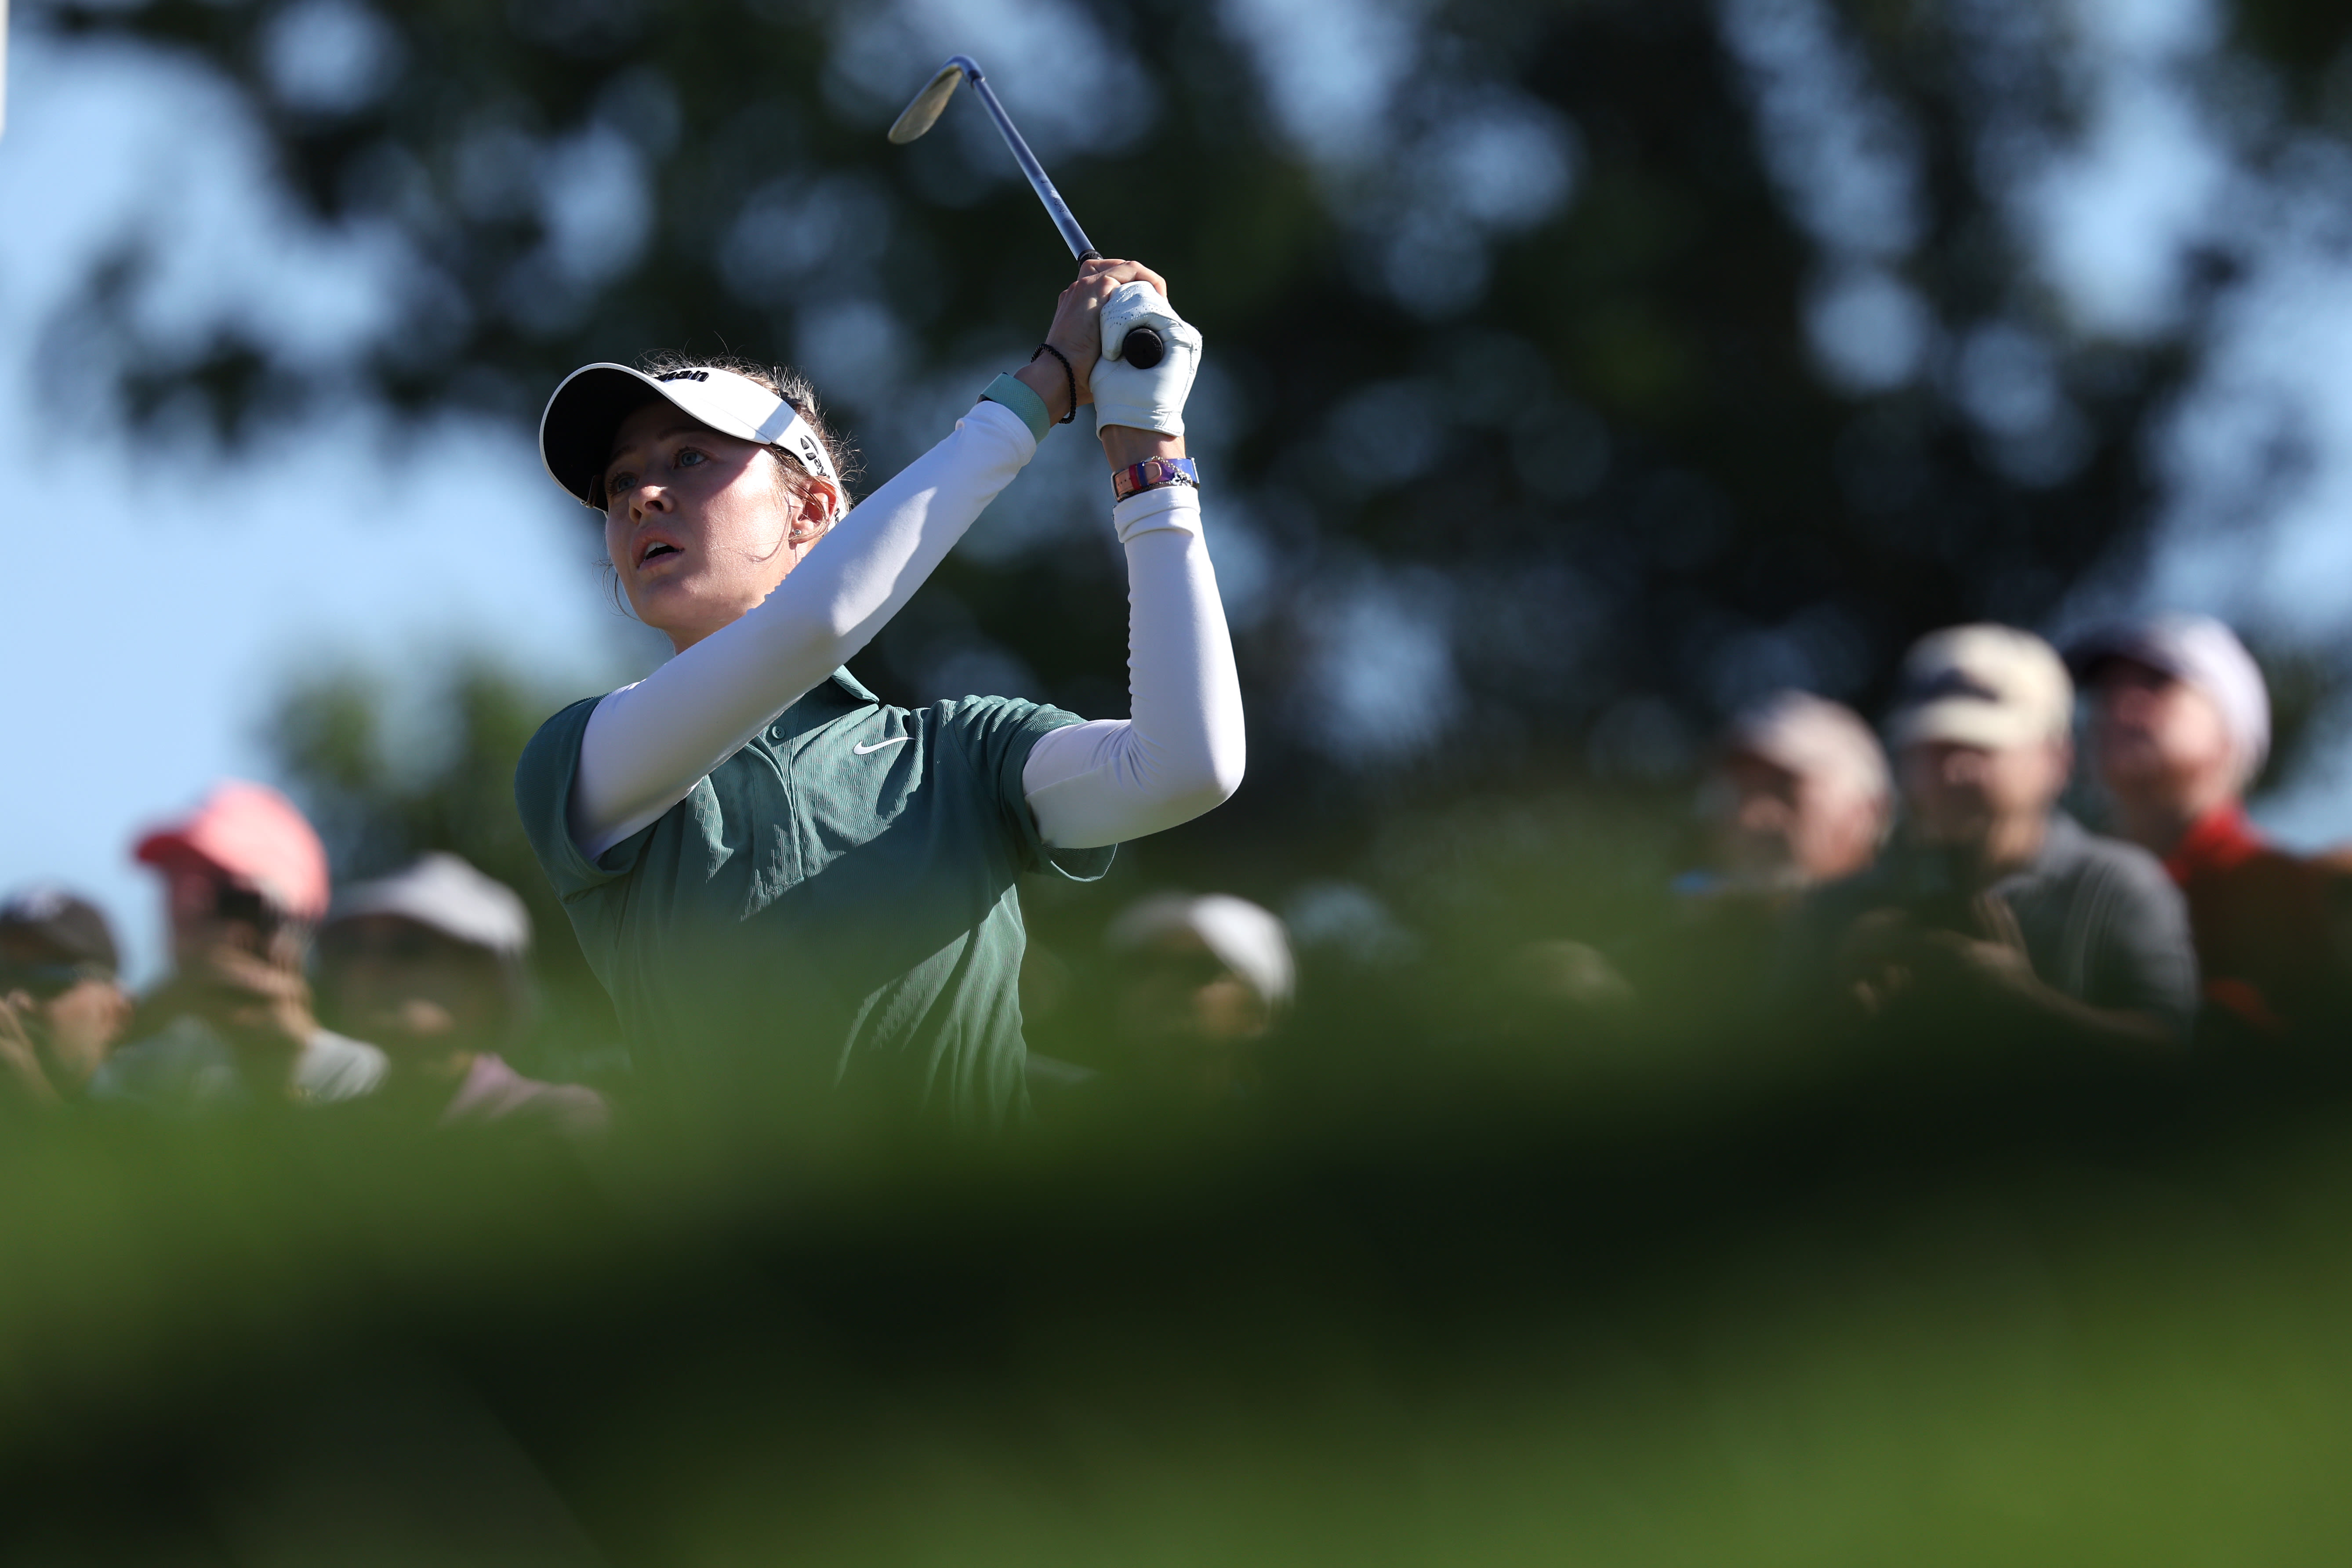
{"x": 2201, "y": 652}
{"x": 575, "y": 433}
{"x": 1247, "y": 939}
{"x": 1988, "y": 686}
{"x": 1813, "y": 738}
{"x": 444, "y": 894}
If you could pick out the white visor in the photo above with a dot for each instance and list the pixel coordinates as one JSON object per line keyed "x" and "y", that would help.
{"x": 575, "y": 433}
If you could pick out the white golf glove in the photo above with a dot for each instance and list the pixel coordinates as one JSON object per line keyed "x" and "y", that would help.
{"x": 1146, "y": 399}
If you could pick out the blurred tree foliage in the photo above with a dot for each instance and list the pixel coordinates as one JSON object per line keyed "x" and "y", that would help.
{"x": 1523, "y": 429}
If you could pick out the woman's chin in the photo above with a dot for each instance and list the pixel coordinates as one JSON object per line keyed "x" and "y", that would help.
{"x": 668, "y": 603}
{"x": 689, "y": 608}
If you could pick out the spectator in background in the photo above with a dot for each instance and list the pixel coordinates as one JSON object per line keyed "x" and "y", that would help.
{"x": 59, "y": 990}
{"x": 428, "y": 962}
{"x": 2180, "y": 725}
{"x": 1801, "y": 796}
{"x": 1203, "y": 979}
{"x": 1995, "y": 907}
{"x": 245, "y": 883}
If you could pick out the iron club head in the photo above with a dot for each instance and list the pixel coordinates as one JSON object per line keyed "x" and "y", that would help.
{"x": 924, "y": 112}
{"x": 1143, "y": 347}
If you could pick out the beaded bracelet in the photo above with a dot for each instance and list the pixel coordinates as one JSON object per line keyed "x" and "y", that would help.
{"x": 1067, "y": 374}
{"x": 1154, "y": 473}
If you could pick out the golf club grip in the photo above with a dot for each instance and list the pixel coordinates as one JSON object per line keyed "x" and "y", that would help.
{"x": 1143, "y": 347}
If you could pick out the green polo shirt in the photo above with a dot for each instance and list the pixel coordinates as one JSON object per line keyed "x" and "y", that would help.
{"x": 830, "y": 917}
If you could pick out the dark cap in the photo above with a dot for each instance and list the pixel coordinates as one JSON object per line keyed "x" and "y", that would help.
{"x": 48, "y": 926}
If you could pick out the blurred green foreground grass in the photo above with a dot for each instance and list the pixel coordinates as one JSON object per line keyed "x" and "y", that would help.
{"x": 1859, "y": 1314}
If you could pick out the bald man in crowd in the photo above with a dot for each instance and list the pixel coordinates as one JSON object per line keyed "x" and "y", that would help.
{"x": 1800, "y": 795}
{"x": 2180, "y": 727}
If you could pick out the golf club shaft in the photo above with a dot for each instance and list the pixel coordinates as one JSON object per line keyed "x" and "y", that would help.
{"x": 1055, "y": 207}
{"x": 1143, "y": 347}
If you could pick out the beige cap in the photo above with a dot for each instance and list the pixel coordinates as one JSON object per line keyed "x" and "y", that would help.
{"x": 1250, "y": 940}
{"x": 1988, "y": 686}
{"x": 444, "y": 893}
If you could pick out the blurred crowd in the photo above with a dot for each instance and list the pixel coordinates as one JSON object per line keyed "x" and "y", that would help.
{"x": 1938, "y": 880}
{"x": 1945, "y": 880}
{"x": 400, "y": 998}
{"x": 423, "y": 971}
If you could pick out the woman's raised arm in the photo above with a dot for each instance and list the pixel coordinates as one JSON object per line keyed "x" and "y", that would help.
{"x": 648, "y": 744}
{"x": 1181, "y": 751}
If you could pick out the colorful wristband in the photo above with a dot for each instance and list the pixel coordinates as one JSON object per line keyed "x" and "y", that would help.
{"x": 1153, "y": 473}
{"x": 1017, "y": 396}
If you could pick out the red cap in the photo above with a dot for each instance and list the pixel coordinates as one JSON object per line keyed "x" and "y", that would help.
{"x": 257, "y": 836}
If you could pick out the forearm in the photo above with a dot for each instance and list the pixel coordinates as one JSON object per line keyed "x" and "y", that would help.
{"x": 2035, "y": 1005}
{"x": 1181, "y": 751}
{"x": 1935, "y": 973}
{"x": 646, "y": 745}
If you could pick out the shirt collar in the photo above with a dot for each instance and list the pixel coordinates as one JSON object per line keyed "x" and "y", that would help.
{"x": 2063, "y": 841}
{"x": 2216, "y": 841}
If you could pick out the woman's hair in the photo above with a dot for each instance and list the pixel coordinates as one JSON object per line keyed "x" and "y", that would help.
{"x": 785, "y": 382}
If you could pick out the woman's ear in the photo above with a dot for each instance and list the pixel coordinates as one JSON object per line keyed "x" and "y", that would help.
{"x": 819, "y": 508}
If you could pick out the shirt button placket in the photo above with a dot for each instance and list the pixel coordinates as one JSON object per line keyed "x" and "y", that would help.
{"x": 795, "y": 852}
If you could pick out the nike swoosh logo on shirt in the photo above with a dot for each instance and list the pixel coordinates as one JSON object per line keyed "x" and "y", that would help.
{"x": 877, "y": 745}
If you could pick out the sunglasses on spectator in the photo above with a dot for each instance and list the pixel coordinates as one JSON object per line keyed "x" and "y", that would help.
{"x": 47, "y": 980}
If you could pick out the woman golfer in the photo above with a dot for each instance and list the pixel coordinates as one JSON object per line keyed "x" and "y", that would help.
{"x": 801, "y": 898}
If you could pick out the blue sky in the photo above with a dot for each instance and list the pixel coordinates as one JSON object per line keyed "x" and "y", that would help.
{"x": 160, "y": 596}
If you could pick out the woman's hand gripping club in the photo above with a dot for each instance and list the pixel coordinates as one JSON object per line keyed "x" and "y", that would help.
{"x": 1139, "y": 411}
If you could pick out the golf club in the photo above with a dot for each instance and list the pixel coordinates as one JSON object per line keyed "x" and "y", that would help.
{"x": 1143, "y": 347}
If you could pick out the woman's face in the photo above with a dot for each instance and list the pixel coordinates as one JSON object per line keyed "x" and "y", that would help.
{"x": 701, "y": 526}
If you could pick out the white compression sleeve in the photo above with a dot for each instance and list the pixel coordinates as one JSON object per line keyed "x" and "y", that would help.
{"x": 648, "y": 744}
{"x": 1181, "y": 752}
